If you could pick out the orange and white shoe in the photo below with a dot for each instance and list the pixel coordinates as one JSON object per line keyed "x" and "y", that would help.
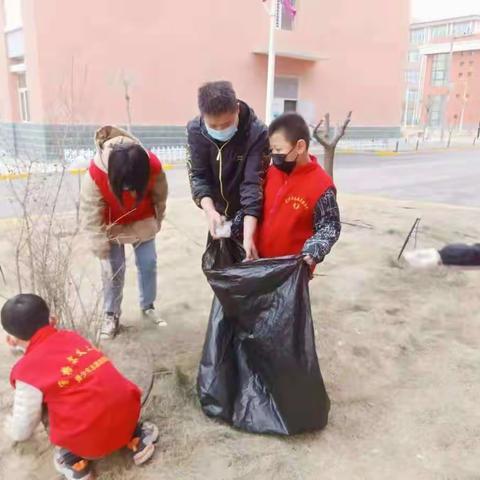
{"x": 142, "y": 444}
{"x": 71, "y": 466}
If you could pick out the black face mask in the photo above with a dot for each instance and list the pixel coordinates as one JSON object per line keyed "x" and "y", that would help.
{"x": 279, "y": 160}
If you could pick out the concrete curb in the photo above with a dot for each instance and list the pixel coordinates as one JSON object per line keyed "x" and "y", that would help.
{"x": 75, "y": 171}
{"x": 339, "y": 151}
{"x": 390, "y": 153}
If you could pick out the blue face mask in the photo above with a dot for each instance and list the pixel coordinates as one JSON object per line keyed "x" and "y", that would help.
{"x": 222, "y": 135}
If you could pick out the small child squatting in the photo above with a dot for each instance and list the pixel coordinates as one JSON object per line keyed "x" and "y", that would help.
{"x": 93, "y": 410}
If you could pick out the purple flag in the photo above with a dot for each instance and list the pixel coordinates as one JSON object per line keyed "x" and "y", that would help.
{"x": 291, "y": 10}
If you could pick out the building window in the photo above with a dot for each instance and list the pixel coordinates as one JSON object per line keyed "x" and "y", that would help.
{"x": 412, "y": 76}
{"x": 439, "y": 31}
{"x": 286, "y": 94}
{"x": 13, "y": 14}
{"x": 290, "y": 106}
{"x": 417, "y": 36}
{"x": 460, "y": 74}
{"x": 439, "y": 69}
{"x": 286, "y": 87}
{"x": 413, "y": 56}
{"x": 412, "y": 98}
{"x": 469, "y": 74}
{"x": 436, "y": 110}
{"x": 285, "y": 18}
{"x": 23, "y": 97}
{"x": 461, "y": 29}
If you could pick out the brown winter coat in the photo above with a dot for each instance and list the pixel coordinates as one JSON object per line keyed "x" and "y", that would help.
{"x": 92, "y": 204}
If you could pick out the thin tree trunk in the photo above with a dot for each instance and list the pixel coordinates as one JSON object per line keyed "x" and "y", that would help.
{"x": 328, "y": 145}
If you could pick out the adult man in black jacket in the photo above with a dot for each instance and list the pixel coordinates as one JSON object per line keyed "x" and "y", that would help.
{"x": 228, "y": 156}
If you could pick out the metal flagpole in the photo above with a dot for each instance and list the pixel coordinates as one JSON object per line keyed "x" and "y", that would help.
{"x": 271, "y": 61}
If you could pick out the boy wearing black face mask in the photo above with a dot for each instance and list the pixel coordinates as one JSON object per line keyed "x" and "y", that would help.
{"x": 300, "y": 212}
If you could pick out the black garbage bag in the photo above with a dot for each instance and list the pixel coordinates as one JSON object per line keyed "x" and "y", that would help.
{"x": 459, "y": 254}
{"x": 259, "y": 369}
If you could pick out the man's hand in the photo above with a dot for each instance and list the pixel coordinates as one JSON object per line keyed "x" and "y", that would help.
{"x": 214, "y": 219}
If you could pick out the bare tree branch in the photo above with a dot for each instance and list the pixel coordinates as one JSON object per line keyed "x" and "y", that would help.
{"x": 322, "y": 135}
{"x": 343, "y": 129}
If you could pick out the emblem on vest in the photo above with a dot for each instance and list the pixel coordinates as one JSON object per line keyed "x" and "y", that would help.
{"x": 297, "y": 202}
{"x": 239, "y": 158}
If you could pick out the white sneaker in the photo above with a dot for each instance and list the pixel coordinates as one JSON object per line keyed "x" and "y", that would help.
{"x": 109, "y": 327}
{"x": 154, "y": 317}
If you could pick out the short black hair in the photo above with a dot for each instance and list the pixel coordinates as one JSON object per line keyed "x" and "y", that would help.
{"x": 128, "y": 169}
{"x": 293, "y": 126}
{"x": 25, "y": 314}
{"x": 216, "y": 98}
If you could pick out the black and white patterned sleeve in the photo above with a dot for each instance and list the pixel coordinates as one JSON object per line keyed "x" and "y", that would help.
{"x": 326, "y": 225}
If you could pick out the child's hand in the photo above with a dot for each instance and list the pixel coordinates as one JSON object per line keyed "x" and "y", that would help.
{"x": 250, "y": 250}
{"x": 15, "y": 348}
{"x": 309, "y": 261}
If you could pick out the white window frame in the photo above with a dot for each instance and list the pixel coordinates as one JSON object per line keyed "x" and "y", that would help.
{"x": 23, "y": 100}
{"x": 417, "y": 38}
{"x": 436, "y": 28}
{"x": 412, "y": 77}
{"x": 12, "y": 11}
{"x": 413, "y": 56}
{"x": 290, "y": 98}
{"x": 463, "y": 29}
{"x": 436, "y": 82}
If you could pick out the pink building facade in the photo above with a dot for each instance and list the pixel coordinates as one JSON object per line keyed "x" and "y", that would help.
{"x": 72, "y": 63}
{"x": 443, "y": 76}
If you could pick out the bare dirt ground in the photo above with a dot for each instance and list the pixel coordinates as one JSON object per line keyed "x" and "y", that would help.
{"x": 398, "y": 351}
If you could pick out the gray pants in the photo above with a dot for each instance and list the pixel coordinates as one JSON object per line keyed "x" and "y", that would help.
{"x": 114, "y": 277}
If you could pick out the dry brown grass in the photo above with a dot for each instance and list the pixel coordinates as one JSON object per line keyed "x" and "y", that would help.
{"x": 398, "y": 350}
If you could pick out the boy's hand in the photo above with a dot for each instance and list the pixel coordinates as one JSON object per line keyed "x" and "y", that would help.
{"x": 15, "y": 348}
{"x": 309, "y": 261}
{"x": 250, "y": 249}
{"x": 249, "y": 228}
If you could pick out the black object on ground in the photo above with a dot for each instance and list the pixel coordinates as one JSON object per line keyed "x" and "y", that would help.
{"x": 259, "y": 369}
{"x": 461, "y": 255}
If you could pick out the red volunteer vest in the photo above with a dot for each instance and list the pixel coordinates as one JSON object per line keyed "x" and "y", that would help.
{"x": 93, "y": 410}
{"x": 288, "y": 210}
{"x": 129, "y": 212}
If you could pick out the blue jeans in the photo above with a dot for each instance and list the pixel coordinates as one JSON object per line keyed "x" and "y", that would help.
{"x": 114, "y": 280}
